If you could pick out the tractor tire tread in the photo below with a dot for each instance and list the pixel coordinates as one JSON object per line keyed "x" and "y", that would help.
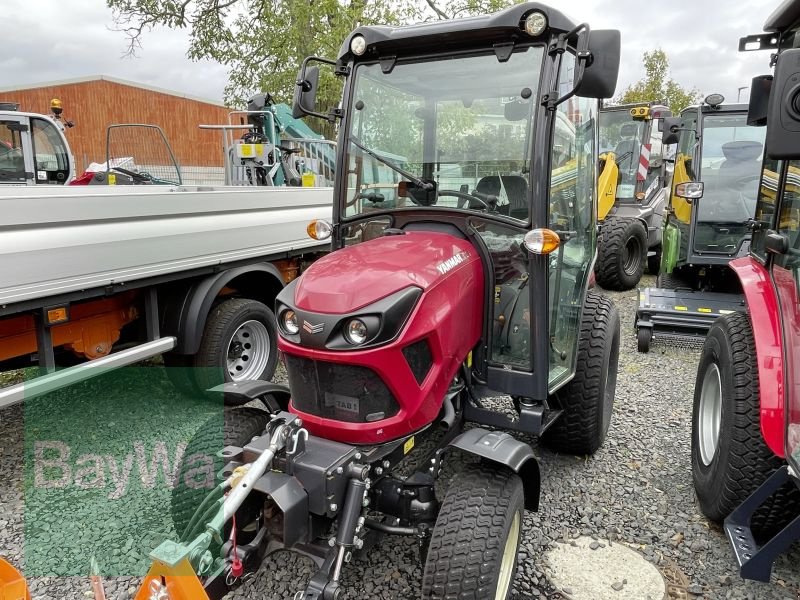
{"x": 609, "y": 270}
{"x": 468, "y": 541}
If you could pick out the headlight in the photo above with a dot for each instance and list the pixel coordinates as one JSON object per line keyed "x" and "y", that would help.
{"x": 358, "y": 45}
{"x": 535, "y": 23}
{"x": 355, "y": 332}
{"x": 290, "y": 322}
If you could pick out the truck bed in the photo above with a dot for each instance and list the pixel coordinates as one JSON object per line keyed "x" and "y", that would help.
{"x": 54, "y": 241}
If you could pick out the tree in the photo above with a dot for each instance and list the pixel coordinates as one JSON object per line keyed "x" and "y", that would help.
{"x": 657, "y": 86}
{"x": 263, "y": 42}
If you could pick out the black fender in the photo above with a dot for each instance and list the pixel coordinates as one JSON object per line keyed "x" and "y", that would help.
{"x": 187, "y": 310}
{"x": 501, "y": 448}
{"x": 274, "y": 396}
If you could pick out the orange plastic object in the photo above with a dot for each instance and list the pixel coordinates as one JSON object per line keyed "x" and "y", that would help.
{"x": 12, "y": 584}
{"x": 181, "y": 582}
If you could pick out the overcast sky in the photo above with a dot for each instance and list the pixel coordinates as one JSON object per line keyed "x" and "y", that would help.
{"x": 63, "y": 40}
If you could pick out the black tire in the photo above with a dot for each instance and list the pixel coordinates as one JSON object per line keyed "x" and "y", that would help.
{"x": 469, "y": 539}
{"x": 669, "y": 281}
{"x": 654, "y": 261}
{"x": 741, "y": 461}
{"x": 208, "y": 368}
{"x": 588, "y": 400}
{"x": 235, "y": 427}
{"x": 622, "y": 252}
{"x": 644, "y": 336}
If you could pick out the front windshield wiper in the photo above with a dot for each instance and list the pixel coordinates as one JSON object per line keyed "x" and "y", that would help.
{"x": 424, "y": 185}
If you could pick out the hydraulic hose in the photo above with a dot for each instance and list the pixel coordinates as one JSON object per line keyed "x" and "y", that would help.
{"x": 199, "y": 515}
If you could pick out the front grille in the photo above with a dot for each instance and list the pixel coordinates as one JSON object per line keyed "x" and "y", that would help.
{"x": 418, "y": 356}
{"x": 340, "y": 392}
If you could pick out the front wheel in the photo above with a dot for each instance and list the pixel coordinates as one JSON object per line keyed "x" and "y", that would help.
{"x": 588, "y": 399}
{"x": 474, "y": 544}
{"x": 622, "y": 252}
{"x": 730, "y": 459}
{"x": 239, "y": 343}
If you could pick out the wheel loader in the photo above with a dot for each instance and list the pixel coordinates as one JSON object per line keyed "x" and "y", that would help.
{"x": 633, "y": 191}
{"x": 709, "y": 222}
{"x": 456, "y": 292}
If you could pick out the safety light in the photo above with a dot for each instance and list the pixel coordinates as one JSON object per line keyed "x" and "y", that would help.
{"x": 541, "y": 241}
{"x": 355, "y": 332}
{"x": 690, "y": 190}
{"x": 319, "y": 229}
{"x": 56, "y": 106}
{"x": 640, "y": 112}
{"x": 290, "y": 325}
{"x": 358, "y": 45}
{"x": 714, "y": 100}
{"x": 535, "y": 23}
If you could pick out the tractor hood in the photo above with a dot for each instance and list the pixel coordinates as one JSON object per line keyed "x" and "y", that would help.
{"x": 356, "y": 276}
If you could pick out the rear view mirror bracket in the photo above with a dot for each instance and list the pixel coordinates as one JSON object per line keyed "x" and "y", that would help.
{"x": 583, "y": 58}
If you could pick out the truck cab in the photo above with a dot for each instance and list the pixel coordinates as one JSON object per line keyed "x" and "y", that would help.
{"x": 33, "y": 149}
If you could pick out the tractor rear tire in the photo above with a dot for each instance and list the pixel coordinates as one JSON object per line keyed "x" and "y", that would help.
{"x": 474, "y": 544}
{"x": 202, "y": 461}
{"x": 731, "y": 465}
{"x": 622, "y": 253}
{"x": 227, "y": 322}
{"x": 588, "y": 400}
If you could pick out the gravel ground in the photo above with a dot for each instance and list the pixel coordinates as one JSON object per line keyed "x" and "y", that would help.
{"x": 636, "y": 490}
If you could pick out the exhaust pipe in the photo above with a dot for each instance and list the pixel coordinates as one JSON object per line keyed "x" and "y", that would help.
{"x": 449, "y": 416}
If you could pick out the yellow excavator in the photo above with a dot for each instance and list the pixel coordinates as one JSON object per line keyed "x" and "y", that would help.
{"x": 633, "y": 190}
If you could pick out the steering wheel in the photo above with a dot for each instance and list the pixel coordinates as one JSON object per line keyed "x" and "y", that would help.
{"x": 487, "y": 204}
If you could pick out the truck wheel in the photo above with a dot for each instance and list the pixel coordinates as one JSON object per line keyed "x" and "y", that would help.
{"x": 239, "y": 343}
{"x": 622, "y": 251}
{"x": 654, "y": 261}
{"x": 644, "y": 336}
{"x": 729, "y": 457}
{"x": 588, "y": 399}
{"x": 202, "y": 461}
{"x": 474, "y": 544}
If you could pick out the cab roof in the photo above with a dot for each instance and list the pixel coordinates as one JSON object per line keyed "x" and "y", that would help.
{"x": 784, "y": 17}
{"x": 439, "y": 36}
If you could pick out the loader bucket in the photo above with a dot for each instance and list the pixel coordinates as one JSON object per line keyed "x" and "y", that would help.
{"x": 12, "y": 584}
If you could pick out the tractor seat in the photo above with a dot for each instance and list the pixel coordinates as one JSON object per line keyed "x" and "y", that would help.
{"x": 516, "y": 189}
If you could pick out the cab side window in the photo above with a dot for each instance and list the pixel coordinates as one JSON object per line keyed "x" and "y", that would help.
{"x": 51, "y": 159}
{"x": 765, "y": 207}
{"x": 12, "y": 161}
{"x": 789, "y": 219}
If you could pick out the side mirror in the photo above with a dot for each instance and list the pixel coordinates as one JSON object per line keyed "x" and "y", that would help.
{"x": 783, "y": 115}
{"x": 759, "y": 100}
{"x": 600, "y": 76}
{"x": 690, "y": 190}
{"x": 305, "y": 92}
{"x": 670, "y": 130}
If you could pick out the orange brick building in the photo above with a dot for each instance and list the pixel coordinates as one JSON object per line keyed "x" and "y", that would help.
{"x": 94, "y": 103}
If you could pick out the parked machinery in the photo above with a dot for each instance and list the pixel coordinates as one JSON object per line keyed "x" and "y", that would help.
{"x": 708, "y": 222}
{"x": 633, "y": 190}
{"x": 446, "y": 299}
{"x": 746, "y": 417}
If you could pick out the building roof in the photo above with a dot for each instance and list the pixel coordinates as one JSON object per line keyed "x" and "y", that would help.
{"x": 90, "y": 78}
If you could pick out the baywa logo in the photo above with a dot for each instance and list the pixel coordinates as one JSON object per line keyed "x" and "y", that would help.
{"x": 452, "y": 262}
{"x": 56, "y": 467}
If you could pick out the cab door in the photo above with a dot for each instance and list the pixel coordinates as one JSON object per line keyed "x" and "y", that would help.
{"x": 785, "y": 272}
{"x": 16, "y": 156}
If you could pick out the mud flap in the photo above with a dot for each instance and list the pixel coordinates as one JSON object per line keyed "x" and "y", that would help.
{"x": 501, "y": 448}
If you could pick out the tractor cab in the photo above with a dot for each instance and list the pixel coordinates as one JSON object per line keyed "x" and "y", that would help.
{"x": 722, "y": 152}
{"x": 632, "y": 192}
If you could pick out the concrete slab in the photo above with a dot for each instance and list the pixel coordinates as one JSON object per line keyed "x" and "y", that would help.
{"x": 588, "y": 569}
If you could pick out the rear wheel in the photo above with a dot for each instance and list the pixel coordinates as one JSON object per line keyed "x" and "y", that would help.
{"x": 474, "y": 544}
{"x": 588, "y": 399}
{"x": 669, "y": 281}
{"x": 202, "y": 461}
{"x": 622, "y": 252}
{"x": 729, "y": 457}
{"x": 239, "y": 343}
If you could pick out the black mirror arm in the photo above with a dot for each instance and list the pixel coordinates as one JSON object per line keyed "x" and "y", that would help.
{"x": 304, "y": 84}
{"x": 583, "y": 59}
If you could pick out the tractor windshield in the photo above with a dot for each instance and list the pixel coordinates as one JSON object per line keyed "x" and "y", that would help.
{"x": 730, "y": 169}
{"x": 622, "y": 135}
{"x": 452, "y": 133}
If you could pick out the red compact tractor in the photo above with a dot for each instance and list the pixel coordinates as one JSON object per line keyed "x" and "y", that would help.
{"x": 457, "y": 291}
{"x": 746, "y": 419}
